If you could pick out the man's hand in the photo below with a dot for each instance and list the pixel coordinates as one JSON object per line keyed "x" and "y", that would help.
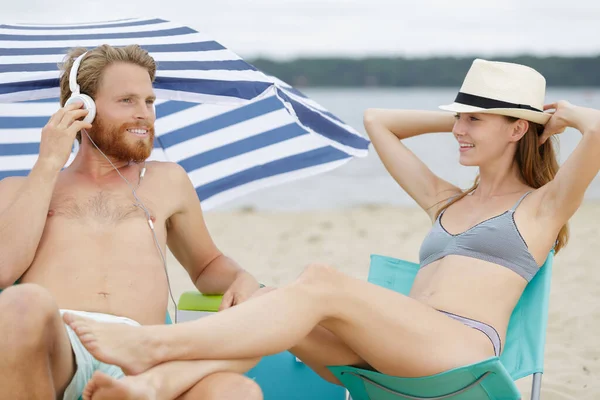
{"x": 59, "y": 134}
{"x": 242, "y": 288}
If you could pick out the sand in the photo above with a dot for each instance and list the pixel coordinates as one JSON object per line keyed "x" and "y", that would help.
{"x": 275, "y": 247}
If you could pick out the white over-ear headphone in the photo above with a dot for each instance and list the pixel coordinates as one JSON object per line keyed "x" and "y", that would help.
{"x": 76, "y": 95}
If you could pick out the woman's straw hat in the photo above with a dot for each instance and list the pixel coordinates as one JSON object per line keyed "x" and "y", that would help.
{"x": 502, "y": 88}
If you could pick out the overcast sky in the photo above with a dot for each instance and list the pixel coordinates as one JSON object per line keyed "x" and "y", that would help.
{"x": 292, "y": 28}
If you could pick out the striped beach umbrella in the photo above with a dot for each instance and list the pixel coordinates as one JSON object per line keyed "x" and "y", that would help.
{"x": 233, "y": 128}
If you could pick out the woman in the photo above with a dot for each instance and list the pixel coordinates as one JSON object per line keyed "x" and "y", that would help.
{"x": 485, "y": 244}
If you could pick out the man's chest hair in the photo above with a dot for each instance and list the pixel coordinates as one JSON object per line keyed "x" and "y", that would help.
{"x": 101, "y": 205}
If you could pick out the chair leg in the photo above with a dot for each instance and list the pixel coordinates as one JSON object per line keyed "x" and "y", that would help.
{"x": 536, "y": 386}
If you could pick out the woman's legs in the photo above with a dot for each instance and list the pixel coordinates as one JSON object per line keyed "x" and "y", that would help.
{"x": 321, "y": 349}
{"x": 387, "y": 330}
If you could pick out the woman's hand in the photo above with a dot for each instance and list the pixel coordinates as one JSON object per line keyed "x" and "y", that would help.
{"x": 557, "y": 123}
{"x": 566, "y": 115}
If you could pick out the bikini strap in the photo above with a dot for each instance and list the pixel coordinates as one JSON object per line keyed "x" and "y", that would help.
{"x": 519, "y": 201}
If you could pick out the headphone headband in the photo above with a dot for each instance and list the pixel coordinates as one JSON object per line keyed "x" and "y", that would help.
{"x": 73, "y": 85}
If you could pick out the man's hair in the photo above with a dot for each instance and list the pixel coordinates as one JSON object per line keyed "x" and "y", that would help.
{"x": 90, "y": 71}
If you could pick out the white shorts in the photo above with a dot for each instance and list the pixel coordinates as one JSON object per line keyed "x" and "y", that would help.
{"x": 86, "y": 363}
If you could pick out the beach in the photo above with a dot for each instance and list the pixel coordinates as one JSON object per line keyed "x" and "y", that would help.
{"x": 276, "y": 246}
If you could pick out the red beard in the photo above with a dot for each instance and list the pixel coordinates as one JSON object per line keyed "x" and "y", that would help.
{"x": 115, "y": 141}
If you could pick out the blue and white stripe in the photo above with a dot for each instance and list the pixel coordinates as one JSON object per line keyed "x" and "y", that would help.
{"x": 233, "y": 128}
{"x": 192, "y": 66}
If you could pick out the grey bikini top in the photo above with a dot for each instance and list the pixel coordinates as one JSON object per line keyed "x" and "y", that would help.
{"x": 496, "y": 240}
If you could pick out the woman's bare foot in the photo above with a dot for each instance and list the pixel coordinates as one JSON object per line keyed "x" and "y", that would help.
{"x": 105, "y": 387}
{"x": 118, "y": 344}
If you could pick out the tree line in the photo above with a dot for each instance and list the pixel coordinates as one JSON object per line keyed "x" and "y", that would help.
{"x": 432, "y": 72}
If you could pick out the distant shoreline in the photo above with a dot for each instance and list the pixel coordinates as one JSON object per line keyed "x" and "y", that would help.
{"x": 431, "y": 72}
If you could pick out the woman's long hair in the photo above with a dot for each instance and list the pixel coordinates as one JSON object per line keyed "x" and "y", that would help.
{"x": 538, "y": 165}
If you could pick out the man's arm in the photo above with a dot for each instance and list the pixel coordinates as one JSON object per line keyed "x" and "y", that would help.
{"x": 219, "y": 275}
{"x": 190, "y": 242}
{"x": 24, "y": 204}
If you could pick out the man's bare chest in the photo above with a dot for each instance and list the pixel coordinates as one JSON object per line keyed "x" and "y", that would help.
{"x": 102, "y": 205}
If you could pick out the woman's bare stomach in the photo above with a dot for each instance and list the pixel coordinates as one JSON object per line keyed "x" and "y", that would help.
{"x": 471, "y": 288}
{"x": 117, "y": 273}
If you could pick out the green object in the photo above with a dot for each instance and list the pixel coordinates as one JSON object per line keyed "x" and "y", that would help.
{"x": 196, "y": 301}
{"x": 493, "y": 378}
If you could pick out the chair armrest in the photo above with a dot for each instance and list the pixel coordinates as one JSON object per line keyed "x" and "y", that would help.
{"x": 405, "y": 396}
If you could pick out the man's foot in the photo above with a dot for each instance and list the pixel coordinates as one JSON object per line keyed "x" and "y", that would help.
{"x": 118, "y": 344}
{"x": 105, "y": 387}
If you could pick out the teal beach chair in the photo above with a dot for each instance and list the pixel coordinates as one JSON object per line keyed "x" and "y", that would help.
{"x": 493, "y": 379}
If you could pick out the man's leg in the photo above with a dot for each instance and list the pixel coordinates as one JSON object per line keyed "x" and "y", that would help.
{"x": 174, "y": 379}
{"x": 36, "y": 360}
{"x": 224, "y": 386}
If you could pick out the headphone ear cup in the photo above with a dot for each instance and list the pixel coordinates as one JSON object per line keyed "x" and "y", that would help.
{"x": 88, "y": 104}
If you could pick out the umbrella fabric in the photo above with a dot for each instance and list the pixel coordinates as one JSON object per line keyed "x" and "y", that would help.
{"x": 233, "y": 128}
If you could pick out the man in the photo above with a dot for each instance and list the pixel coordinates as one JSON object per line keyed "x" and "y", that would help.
{"x": 92, "y": 238}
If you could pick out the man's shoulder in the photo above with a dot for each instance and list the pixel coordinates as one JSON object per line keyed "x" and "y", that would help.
{"x": 165, "y": 167}
{"x": 173, "y": 181}
{"x": 168, "y": 171}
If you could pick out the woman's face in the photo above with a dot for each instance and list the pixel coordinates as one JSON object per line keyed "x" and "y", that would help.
{"x": 482, "y": 137}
